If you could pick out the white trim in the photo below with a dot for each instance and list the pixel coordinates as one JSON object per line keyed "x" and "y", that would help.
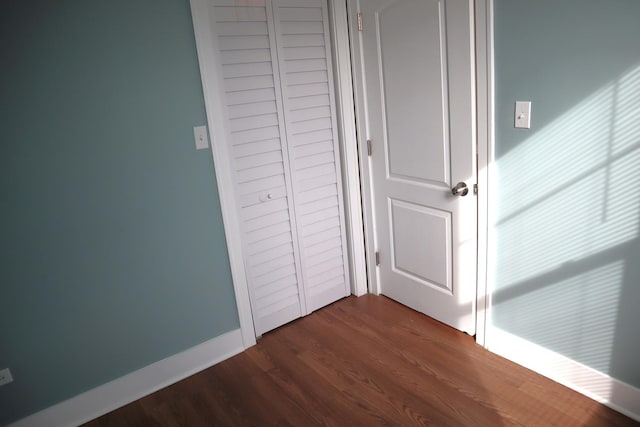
{"x": 609, "y": 391}
{"x": 484, "y": 123}
{"x": 131, "y": 387}
{"x": 348, "y": 145}
{"x": 209, "y": 72}
{"x": 361, "y": 119}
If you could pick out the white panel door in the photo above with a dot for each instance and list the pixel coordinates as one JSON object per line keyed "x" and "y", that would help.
{"x": 418, "y": 75}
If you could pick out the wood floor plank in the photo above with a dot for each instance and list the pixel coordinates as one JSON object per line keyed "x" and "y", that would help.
{"x": 450, "y": 359}
{"x": 448, "y": 367}
{"x": 418, "y": 379}
{"x": 363, "y": 362}
{"x": 319, "y": 387}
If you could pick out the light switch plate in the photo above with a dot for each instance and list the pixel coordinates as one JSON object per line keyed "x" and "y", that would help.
{"x": 5, "y": 376}
{"x": 523, "y": 114}
{"x": 200, "y": 134}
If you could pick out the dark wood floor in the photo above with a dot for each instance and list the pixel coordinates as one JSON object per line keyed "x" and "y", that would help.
{"x": 362, "y": 362}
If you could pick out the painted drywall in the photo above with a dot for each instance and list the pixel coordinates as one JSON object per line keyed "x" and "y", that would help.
{"x": 112, "y": 248}
{"x": 567, "y": 226}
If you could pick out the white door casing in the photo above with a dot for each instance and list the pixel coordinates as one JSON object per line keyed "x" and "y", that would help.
{"x": 415, "y": 71}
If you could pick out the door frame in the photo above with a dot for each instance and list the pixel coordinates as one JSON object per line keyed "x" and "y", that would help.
{"x": 348, "y": 143}
{"x": 354, "y": 161}
{"x": 484, "y": 143}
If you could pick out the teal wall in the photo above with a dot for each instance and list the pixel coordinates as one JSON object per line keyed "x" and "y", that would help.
{"x": 567, "y": 226}
{"x": 112, "y": 248}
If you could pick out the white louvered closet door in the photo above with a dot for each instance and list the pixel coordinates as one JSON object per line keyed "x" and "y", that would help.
{"x": 281, "y": 123}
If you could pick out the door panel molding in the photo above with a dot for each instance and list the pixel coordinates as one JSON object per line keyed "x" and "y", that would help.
{"x": 431, "y": 165}
{"x": 404, "y": 261}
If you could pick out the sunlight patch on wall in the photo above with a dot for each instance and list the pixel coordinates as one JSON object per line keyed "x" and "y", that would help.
{"x": 570, "y": 191}
{"x": 626, "y": 127}
{"x": 571, "y": 225}
{"x": 575, "y": 316}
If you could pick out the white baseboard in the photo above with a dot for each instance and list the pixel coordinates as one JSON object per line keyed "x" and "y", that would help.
{"x": 133, "y": 386}
{"x": 609, "y": 391}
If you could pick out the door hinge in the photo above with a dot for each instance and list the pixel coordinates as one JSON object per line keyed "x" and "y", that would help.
{"x": 369, "y": 147}
{"x": 359, "y": 21}
{"x": 377, "y": 258}
{"x": 475, "y": 188}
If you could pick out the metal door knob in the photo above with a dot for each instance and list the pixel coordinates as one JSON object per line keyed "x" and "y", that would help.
{"x": 460, "y": 189}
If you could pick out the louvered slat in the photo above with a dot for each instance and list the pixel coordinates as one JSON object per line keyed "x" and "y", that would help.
{"x": 306, "y": 27}
{"x": 320, "y": 226}
{"x": 309, "y": 113}
{"x": 267, "y": 232}
{"x": 258, "y": 159}
{"x": 252, "y": 109}
{"x": 239, "y": 42}
{"x": 242, "y": 29}
{"x": 248, "y": 82}
{"x": 250, "y": 96}
{"x": 254, "y": 3}
{"x": 317, "y": 238}
{"x": 324, "y": 256}
{"x": 305, "y": 65}
{"x": 270, "y": 243}
{"x": 324, "y": 191}
{"x": 324, "y": 245}
{"x": 257, "y": 121}
{"x": 310, "y": 101}
{"x": 285, "y": 259}
{"x": 302, "y": 151}
{"x": 257, "y": 211}
{"x": 254, "y": 135}
{"x": 266, "y": 220}
{"x": 311, "y": 137}
{"x": 259, "y": 260}
{"x": 257, "y": 147}
{"x": 298, "y": 40}
{"x": 329, "y": 284}
{"x": 316, "y": 205}
{"x": 261, "y": 185}
{"x": 316, "y": 171}
{"x": 314, "y": 160}
{"x": 275, "y": 275}
{"x": 309, "y": 185}
{"x": 240, "y": 14}
{"x": 277, "y": 286}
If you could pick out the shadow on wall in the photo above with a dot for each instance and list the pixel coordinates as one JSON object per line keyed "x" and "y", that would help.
{"x": 567, "y": 232}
